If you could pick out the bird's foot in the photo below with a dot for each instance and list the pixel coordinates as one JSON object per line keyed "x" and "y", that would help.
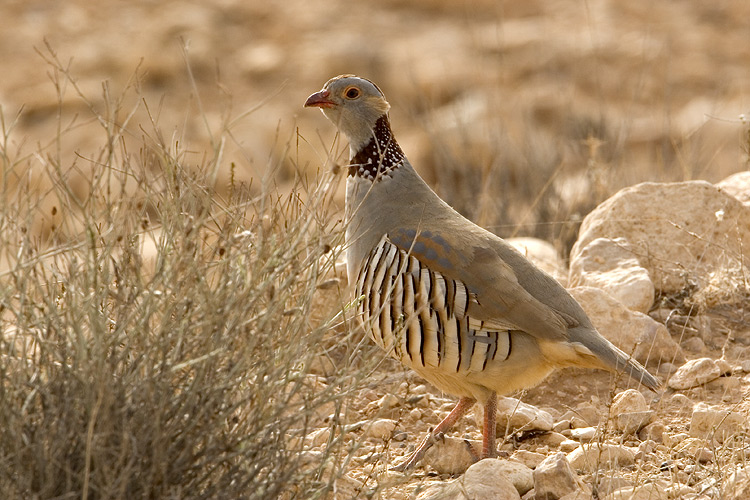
{"x": 418, "y": 454}
{"x": 474, "y": 455}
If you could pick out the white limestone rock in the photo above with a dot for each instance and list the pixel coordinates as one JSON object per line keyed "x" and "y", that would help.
{"x": 520, "y": 476}
{"x": 554, "y": 478}
{"x": 628, "y": 401}
{"x": 530, "y": 459}
{"x": 630, "y": 411}
{"x": 694, "y": 449}
{"x": 583, "y": 434}
{"x": 694, "y": 373}
{"x": 713, "y": 422}
{"x": 514, "y": 415}
{"x": 485, "y": 480}
{"x": 679, "y": 490}
{"x": 636, "y": 333}
{"x": 724, "y": 366}
{"x": 592, "y": 456}
{"x": 612, "y": 265}
{"x": 381, "y": 428}
{"x": 654, "y": 431}
{"x": 584, "y": 494}
{"x": 348, "y": 487}
{"x": 631, "y": 423}
{"x": 608, "y": 483}
{"x": 552, "y": 439}
{"x": 680, "y": 232}
{"x": 450, "y": 455}
{"x": 318, "y": 437}
{"x": 569, "y": 445}
{"x": 737, "y": 185}
{"x": 583, "y": 415}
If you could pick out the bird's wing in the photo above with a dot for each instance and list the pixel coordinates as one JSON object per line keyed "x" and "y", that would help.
{"x": 496, "y": 297}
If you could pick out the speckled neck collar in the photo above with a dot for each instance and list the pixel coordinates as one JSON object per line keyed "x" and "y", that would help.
{"x": 379, "y": 157}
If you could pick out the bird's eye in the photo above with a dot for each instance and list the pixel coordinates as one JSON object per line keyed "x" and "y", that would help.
{"x": 352, "y": 93}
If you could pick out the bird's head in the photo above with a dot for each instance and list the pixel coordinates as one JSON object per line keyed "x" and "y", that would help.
{"x": 353, "y": 104}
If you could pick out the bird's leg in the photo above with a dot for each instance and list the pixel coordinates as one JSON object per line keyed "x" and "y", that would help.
{"x": 463, "y": 405}
{"x": 489, "y": 449}
{"x": 488, "y": 431}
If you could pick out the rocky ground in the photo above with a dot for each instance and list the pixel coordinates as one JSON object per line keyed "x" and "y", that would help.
{"x": 680, "y": 303}
{"x": 525, "y": 116}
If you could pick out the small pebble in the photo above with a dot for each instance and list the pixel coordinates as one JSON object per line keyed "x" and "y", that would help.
{"x": 583, "y": 433}
{"x": 653, "y": 432}
{"x": 569, "y": 445}
{"x": 529, "y": 458}
{"x": 666, "y": 369}
{"x": 381, "y": 428}
{"x": 628, "y": 401}
{"x": 561, "y": 425}
{"x": 388, "y": 401}
{"x": 552, "y": 439}
{"x": 592, "y": 456}
{"x": 724, "y": 366}
{"x": 694, "y": 373}
{"x": 400, "y": 436}
{"x": 694, "y": 344}
{"x": 680, "y": 400}
{"x": 420, "y": 389}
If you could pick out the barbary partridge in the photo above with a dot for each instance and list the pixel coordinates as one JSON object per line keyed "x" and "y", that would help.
{"x": 448, "y": 299}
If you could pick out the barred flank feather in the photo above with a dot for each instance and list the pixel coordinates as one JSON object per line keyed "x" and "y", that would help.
{"x": 419, "y": 316}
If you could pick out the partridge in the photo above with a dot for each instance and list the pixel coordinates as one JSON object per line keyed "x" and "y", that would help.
{"x": 450, "y": 300}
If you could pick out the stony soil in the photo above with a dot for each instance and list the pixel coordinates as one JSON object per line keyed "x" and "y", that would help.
{"x": 395, "y": 409}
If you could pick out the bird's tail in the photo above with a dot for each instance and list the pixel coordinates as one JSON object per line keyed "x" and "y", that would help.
{"x": 636, "y": 371}
{"x": 614, "y": 359}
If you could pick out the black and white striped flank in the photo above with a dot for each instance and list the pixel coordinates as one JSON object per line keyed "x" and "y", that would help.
{"x": 420, "y": 316}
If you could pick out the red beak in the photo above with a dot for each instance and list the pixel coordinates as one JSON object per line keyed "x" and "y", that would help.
{"x": 320, "y": 100}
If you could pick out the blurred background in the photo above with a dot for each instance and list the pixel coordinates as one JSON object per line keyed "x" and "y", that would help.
{"x": 524, "y": 115}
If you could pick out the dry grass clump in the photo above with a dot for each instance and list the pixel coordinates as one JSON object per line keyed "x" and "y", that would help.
{"x": 155, "y": 340}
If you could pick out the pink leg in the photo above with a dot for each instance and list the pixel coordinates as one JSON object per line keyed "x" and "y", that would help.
{"x": 463, "y": 405}
{"x": 488, "y": 431}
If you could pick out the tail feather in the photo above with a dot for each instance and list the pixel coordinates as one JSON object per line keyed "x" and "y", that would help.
{"x": 637, "y": 371}
{"x": 613, "y": 358}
